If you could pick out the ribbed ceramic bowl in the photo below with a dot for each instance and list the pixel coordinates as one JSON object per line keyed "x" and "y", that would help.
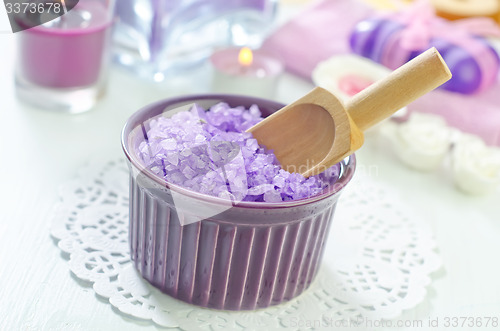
{"x": 249, "y": 255}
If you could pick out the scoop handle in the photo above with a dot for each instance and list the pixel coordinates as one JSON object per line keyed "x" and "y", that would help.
{"x": 405, "y": 84}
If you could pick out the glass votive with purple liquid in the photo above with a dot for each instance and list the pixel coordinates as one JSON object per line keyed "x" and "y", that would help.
{"x": 62, "y": 64}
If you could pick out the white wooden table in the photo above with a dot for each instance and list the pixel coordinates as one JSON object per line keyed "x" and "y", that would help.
{"x": 40, "y": 150}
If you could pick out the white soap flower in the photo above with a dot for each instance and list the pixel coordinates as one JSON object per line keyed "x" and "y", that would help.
{"x": 476, "y": 166}
{"x": 421, "y": 142}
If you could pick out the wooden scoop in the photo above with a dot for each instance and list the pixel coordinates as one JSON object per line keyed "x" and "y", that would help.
{"x": 318, "y": 130}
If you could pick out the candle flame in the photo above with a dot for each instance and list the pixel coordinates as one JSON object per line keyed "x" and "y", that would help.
{"x": 245, "y": 57}
{"x": 63, "y": 3}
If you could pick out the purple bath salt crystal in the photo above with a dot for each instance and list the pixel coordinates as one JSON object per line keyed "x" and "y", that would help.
{"x": 169, "y": 144}
{"x": 261, "y": 189}
{"x": 279, "y": 181}
{"x": 188, "y": 172}
{"x": 210, "y": 152}
{"x": 172, "y": 158}
{"x": 272, "y": 196}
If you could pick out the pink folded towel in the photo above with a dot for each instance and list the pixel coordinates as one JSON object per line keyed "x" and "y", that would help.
{"x": 316, "y": 34}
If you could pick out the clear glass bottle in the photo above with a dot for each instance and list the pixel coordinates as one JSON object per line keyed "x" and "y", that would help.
{"x": 157, "y": 37}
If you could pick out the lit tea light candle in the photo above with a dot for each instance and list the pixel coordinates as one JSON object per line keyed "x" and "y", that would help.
{"x": 243, "y": 71}
{"x": 245, "y": 57}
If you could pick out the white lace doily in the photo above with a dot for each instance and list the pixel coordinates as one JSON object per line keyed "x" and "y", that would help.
{"x": 376, "y": 264}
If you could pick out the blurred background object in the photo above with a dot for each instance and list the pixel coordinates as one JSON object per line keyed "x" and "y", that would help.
{"x": 387, "y": 4}
{"x": 348, "y": 74}
{"x": 460, "y": 9}
{"x": 157, "y": 37}
{"x": 63, "y": 63}
{"x": 245, "y": 71}
{"x": 397, "y": 38}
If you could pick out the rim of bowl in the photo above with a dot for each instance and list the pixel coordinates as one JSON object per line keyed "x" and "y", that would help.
{"x": 347, "y": 168}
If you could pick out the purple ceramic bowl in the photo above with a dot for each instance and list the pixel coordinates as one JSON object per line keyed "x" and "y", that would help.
{"x": 246, "y": 255}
